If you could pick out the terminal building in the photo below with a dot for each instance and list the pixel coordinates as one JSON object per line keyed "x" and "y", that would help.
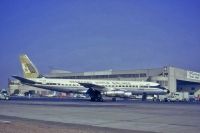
{"x": 174, "y": 79}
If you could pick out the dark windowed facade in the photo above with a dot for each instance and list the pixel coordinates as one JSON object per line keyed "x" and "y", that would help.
{"x": 106, "y": 76}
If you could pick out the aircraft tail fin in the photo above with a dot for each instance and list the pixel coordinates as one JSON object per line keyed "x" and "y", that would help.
{"x": 29, "y": 69}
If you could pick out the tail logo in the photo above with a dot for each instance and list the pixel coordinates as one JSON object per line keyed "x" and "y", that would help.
{"x": 29, "y": 69}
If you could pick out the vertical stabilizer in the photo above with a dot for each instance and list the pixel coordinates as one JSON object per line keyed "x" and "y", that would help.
{"x": 29, "y": 69}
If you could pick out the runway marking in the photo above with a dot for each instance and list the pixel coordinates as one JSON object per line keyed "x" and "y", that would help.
{"x": 5, "y": 122}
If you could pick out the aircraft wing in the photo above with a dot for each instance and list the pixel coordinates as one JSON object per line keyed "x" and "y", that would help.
{"x": 24, "y": 80}
{"x": 94, "y": 86}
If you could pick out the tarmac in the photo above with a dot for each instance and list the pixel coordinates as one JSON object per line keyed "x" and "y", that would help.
{"x": 133, "y": 116}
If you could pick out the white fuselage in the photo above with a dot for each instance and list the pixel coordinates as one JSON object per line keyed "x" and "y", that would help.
{"x": 111, "y": 86}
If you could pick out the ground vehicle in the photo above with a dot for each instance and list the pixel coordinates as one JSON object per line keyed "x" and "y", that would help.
{"x": 4, "y": 96}
{"x": 178, "y": 96}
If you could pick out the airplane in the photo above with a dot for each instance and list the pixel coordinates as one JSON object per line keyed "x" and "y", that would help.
{"x": 94, "y": 88}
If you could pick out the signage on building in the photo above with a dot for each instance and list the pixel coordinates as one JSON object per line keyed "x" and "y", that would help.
{"x": 193, "y": 75}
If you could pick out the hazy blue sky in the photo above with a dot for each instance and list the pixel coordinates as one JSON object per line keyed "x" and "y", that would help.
{"x": 88, "y": 35}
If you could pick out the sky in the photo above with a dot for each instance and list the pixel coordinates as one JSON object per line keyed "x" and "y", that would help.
{"x": 89, "y": 35}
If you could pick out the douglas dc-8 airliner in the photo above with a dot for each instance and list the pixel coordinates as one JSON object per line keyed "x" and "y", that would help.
{"x": 94, "y": 88}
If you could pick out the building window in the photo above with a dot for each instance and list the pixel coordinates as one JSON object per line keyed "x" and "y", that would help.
{"x": 143, "y": 75}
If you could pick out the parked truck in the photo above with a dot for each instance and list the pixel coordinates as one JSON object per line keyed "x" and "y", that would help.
{"x": 179, "y": 96}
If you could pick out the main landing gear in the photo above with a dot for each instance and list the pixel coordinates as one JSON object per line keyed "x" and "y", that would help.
{"x": 144, "y": 97}
{"x": 95, "y": 95}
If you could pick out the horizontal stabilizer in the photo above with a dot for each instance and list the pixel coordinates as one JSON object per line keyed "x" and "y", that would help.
{"x": 24, "y": 80}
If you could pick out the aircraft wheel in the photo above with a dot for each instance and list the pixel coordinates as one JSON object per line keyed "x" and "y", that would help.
{"x": 92, "y": 99}
{"x": 144, "y": 97}
{"x": 114, "y": 99}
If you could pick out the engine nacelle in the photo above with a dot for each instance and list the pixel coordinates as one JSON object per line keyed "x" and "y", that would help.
{"x": 118, "y": 94}
{"x": 127, "y": 94}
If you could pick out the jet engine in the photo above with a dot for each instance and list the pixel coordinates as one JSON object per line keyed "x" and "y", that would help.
{"x": 117, "y": 94}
